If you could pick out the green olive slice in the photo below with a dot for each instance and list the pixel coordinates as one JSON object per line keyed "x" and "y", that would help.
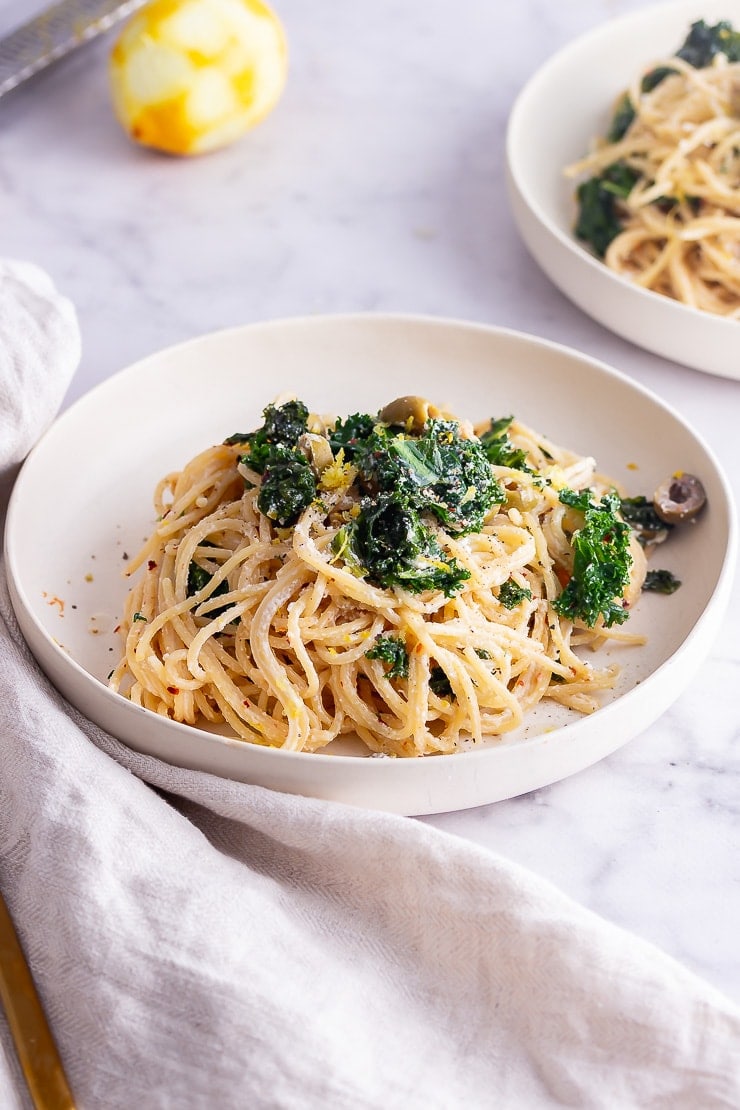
{"x": 414, "y": 411}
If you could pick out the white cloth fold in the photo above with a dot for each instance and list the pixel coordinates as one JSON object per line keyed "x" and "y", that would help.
{"x": 39, "y": 352}
{"x": 204, "y": 943}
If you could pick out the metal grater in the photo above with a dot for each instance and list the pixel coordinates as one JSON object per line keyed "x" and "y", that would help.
{"x": 54, "y": 33}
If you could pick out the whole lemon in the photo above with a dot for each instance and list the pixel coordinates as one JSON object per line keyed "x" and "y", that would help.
{"x": 189, "y": 76}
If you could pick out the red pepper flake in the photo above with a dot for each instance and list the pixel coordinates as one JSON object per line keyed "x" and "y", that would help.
{"x": 563, "y": 576}
{"x": 246, "y": 701}
{"x": 117, "y": 628}
{"x": 173, "y": 689}
{"x": 152, "y": 565}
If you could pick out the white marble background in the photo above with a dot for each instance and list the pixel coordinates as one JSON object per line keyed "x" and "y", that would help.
{"x": 378, "y": 183}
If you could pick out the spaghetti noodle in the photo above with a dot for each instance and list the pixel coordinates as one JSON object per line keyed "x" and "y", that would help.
{"x": 292, "y": 635}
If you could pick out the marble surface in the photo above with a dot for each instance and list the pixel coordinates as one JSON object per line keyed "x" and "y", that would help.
{"x": 378, "y": 184}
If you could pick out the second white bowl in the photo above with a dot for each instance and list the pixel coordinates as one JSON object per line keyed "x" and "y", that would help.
{"x": 563, "y": 107}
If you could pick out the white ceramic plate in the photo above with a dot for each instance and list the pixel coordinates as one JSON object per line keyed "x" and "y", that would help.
{"x": 555, "y": 119}
{"x": 83, "y": 499}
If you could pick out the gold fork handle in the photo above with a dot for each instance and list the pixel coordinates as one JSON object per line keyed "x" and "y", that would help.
{"x": 34, "y": 1043}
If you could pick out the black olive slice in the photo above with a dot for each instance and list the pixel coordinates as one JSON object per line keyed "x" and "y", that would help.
{"x": 680, "y": 498}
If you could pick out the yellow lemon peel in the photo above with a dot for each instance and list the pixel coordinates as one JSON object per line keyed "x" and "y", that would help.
{"x": 190, "y": 76}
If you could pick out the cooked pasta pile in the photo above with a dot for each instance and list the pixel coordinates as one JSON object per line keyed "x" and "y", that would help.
{"x": 670, "y": 184}
{"x": 280, "y": 632}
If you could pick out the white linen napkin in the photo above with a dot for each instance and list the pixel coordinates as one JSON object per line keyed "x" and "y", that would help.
{"x": 39, "y": 352}
{"x": 204, "y": 943}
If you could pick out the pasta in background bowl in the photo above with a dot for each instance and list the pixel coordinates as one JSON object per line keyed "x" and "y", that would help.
{"x": 559, "y": 114}
{"x": 66, "y": 554}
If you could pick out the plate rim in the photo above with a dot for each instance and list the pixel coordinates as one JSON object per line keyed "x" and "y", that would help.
{"x": 719, "y": 596}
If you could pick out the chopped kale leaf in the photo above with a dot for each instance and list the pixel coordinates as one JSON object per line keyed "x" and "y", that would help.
{"x": 619, "y": 179}
{"x": 198, "y": 579}
{"x": 350, "y": 434}
{"x": 439, "y": 683}
{"x": 652, "y": 79}
{"x": 437, "y": 472}
{"x": 288, "y": 486}
{"x": 510, "y": 594}
{"x": 640, "y": 514}
{"x": 288, "y": 482}
{"x": 661, "y": 582}
{"x": 392, "y": 651}
{"x": 576, "y": 499}
{"x": 389, "y": 539}
{"x": 704, "y": 42}
{"x": 283, "y": 427}
{"x": 342, "y": 548}
{"x": 601, "y": 562}
{"x": 499, "y": 449}
{"x": 599, "y": 220}
{"x": 623, "y": 116}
